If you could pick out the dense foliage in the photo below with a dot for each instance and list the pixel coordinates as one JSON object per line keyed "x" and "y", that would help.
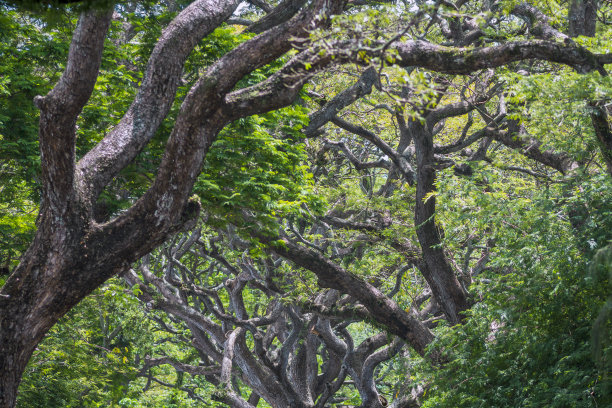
{"x": 327, "y": 224}
{"x": 528, "y": 341}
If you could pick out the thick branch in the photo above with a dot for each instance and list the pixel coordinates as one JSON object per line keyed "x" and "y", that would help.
{"x": 281, "y": 13}
{"x": 531, "y": 148}
{"x": 371, "y": 397}
{"x": 466, "y": 60}
{"x": 228, "y": 356}
{"x": 355, "y": 225}
{"x": 262, "y": 4}
{"x": 437, "y": 271}
{"x": 155, "y": 96}
{"x": 201, "y": 117}
{"x": 539, "y": 23}
{"x": 341, "y": 100}
{"x": 383, "y": 309}
{"x": 61, "y": 107}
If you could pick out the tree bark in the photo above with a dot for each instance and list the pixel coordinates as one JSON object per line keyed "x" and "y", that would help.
{"x": 437, "y": 271}
{"x": 35, "y": 295}
{"x": 71, "y": 254}
{"x": 603, "y": 130}
{"x": 386, "y": 312}
{"x": 582, "y": 18}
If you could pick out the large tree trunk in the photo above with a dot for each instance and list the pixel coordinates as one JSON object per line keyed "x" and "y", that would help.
{"x": 19, "y": 333}
{"x": 582, "y": 18}
{"x": 602, "y": 124}
{"x": 64, "y": 264}
{"x": 437, "y": 270}
{"x": 37, "y": 295}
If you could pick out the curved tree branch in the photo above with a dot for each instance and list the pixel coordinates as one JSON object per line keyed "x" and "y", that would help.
{"x": 155, "y": 96}
{"x": 383, "y": 309}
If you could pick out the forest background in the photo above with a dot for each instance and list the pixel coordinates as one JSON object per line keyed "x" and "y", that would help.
{"x": 306, "y": 204}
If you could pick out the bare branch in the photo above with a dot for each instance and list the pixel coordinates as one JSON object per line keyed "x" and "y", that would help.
{"x": 514, "y": 138}
{"x": 539, "y": 22}
{"x": 188, "y": 368}
{"x": 343, "y": 99}
{"x": 384, "y": 310}
{"x": 278, "y": 15}
{"x": 464, "y": 60}
{"x": 262, "y": 4}
{"x": 359, "y": 165}
{"x": 228, "y": 356}
{"x": 401, "y": 163}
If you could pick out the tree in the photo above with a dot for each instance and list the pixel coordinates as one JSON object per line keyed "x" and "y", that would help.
{"x": 284, "y": 353}
{"x": 73, "y": 253}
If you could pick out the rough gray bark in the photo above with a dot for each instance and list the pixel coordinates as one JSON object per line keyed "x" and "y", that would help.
{"x": 539, "y": 23}
{"x": 582, "y": 18}
{"x": 345, "y": 98}
{"x": 437, "y": 271}
{"x": 34, "y": 296}
{"x": 602, "y": 124}
{"x": 464, "y": 61}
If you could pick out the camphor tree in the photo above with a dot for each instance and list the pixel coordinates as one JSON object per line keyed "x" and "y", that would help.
{"x": 74, "y": 251}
